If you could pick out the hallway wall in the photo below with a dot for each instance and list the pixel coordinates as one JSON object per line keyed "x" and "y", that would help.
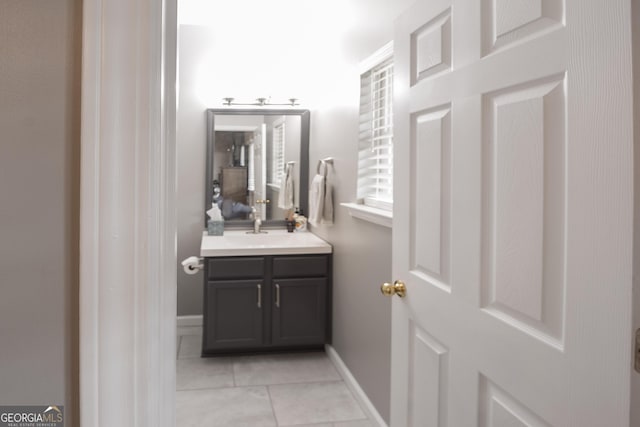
{"x": 40, "y": 48}
{"x": 308, "y": 50}
{"x": 635, "y": 376}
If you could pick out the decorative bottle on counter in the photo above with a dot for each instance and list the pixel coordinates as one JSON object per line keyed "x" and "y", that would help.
{"x": 301, "y": 221}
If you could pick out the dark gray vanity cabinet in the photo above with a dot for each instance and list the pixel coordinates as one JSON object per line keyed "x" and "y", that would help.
{"x": 263, "y": 303}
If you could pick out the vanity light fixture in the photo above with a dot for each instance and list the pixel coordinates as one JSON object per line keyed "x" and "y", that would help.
{"x": 261, "y": 102}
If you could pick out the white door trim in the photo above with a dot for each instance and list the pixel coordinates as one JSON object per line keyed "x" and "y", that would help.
{"x": 127, "y": 214}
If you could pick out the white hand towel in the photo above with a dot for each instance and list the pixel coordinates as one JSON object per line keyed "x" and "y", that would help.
{"x": 285, "y": 197}
{"x": 321, "y": 199}
{"x": 316, "y": 200}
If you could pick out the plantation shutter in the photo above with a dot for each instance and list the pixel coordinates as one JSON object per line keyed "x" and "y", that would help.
{"x": 277, "y": 165}
{"x": 375, "y": 146}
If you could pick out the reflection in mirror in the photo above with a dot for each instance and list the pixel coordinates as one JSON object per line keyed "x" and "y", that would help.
{"x": 257, "y": 163}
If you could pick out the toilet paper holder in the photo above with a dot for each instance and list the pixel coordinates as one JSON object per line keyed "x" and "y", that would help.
{"x": 192, "y": 265}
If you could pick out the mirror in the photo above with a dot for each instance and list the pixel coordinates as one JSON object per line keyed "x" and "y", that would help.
{"x": 257, "y": 161}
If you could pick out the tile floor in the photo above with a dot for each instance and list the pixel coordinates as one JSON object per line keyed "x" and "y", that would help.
{"x": 301, "y": 390}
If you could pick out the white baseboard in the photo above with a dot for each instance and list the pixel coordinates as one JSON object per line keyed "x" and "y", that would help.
{"x": 195, "y": 320}
{"x": 352, "y": 384}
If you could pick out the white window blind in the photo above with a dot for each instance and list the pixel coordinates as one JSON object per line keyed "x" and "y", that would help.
{"x": 375, "y": 158}
{"x": 277, "y": 154}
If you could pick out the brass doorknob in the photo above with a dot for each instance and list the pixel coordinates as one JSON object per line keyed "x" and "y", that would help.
{"x": 398, "y": 288}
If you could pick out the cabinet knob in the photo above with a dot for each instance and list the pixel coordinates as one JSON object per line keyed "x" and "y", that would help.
{"x": 398, "y": 288}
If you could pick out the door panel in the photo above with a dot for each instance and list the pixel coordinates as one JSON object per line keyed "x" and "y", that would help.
{"x": 506, "y": 119}
{"x": 431, "y": 194}
{"x": 499, "y": 409}
{"x": 299, "y": 311}
{"x": 431, "y": 44}
{"x": 430, "y": 379}
{"x": 523, "y": 193}
{"x": 508, "y": 21}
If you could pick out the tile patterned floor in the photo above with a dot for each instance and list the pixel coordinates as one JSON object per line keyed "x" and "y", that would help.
{"x": 296, "y": 390}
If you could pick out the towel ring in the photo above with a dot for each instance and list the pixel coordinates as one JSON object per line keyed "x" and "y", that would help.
{"x": 328, "y": 160}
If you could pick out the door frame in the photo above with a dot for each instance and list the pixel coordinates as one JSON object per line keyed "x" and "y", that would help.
{"x": 127, "y": 213}
{"x": 145, "y": 396}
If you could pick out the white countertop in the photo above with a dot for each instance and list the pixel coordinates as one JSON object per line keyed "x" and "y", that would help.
{"x": 274, "y": 242}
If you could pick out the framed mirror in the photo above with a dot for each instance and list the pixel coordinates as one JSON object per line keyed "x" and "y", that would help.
{"x": 257, "y": 164}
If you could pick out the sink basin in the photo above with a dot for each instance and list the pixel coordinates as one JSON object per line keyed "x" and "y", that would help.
{"x": 275, "y": 242}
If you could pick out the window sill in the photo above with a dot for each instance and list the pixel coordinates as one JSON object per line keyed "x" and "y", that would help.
{"x": 367, "y": 213}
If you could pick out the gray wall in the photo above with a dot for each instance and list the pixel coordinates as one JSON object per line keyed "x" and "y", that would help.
{"x": 39, "y": 187}
{"x": 191, "y": 144}
{"x": 362, "y": 251}
{"x": 635, "y": 376}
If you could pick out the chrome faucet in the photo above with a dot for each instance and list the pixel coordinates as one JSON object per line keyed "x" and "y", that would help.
{"x": 257, "y": 222}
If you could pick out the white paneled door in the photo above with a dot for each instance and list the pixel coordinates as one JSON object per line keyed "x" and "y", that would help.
{"x": 513, "y": 214}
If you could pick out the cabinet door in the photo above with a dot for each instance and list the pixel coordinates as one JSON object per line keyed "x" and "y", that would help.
{"x": 299, "y": 311}
{"x": 234, "y": 314}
